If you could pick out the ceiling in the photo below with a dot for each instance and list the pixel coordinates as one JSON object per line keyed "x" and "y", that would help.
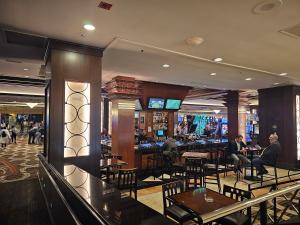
{"x": 140, "y": 36}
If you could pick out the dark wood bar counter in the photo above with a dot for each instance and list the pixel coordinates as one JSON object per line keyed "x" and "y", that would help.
{"x": 102, "y": 200}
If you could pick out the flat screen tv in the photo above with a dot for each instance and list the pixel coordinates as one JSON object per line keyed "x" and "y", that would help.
{"x": 173, "y": 104}
{"x": 160, "y": 133}
{"x": 156, "y": 103}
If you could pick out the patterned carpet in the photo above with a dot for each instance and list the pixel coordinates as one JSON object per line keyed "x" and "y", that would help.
{"x": 19, "y": 161}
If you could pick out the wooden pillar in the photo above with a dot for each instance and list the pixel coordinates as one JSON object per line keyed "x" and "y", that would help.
{"x": 232, "y": 103}
{"x": 123, "y": 129}
{"x": 75, "y": 77}
{"x": 123, "y": 92}
{"x": 277, "y": 113}
{"x": 105, "y": 113}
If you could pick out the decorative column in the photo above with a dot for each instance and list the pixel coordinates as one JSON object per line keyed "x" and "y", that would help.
{"x": 232, "y": 103}
{"x": 123, "y": 92}
{"x": 74, "y": 100}
{"x": 279, "y": 112}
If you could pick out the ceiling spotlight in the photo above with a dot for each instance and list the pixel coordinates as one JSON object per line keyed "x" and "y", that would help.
{"x": 194, "y": 40}
{"x": 249, "y": 78}
{"x": 89, "y": 27}
{"x": 275, "y": 84}
{"x": 26, "y": 76}
{"x": 283, "y": 74}
{"x": 218, "y": 59}
{"x": 213, "y": 74}
{"x": 31, "y": 105}
{"x": 216, "y": 111}
{"x": 166, "y": 66}
{"x": 25, "y": 69}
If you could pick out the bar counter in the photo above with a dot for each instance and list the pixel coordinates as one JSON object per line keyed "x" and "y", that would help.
{"x": 102, "y": 200}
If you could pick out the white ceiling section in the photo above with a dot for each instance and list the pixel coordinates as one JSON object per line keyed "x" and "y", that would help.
{"x": 231, "y": 29}
{"x": 23, "y": 90}
{"x": 16, "y": 69}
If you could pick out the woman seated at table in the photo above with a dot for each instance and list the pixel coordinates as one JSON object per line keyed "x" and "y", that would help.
{"x": 236, "y": 148}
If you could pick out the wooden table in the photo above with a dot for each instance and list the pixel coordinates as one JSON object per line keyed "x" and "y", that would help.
{"x": 201, "y": 155}
{"x": 109, "y": 163}
{"x": 195, "y": 200}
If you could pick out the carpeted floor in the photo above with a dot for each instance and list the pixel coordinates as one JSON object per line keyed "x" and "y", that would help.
{"x": 19, "y": 161}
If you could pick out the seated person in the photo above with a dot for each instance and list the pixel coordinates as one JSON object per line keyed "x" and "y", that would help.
{"x": 170, "y": 148}
{"x": 236, "y": 148}
{"x": 207, "y": 131}
{"x": 268, "y": 156}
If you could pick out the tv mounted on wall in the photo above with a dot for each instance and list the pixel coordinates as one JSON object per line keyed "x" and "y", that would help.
{"x": 173, "y": 104}
{"x": 156, "y": 103}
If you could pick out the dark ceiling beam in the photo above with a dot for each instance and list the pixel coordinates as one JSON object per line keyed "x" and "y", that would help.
{"x": 22, "y": 81}
{"x": 5, "y": 97}
{"x": 8, "y": 51}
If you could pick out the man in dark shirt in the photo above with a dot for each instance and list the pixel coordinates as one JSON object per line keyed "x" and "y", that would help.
{"x": 268, "y": 156}
{"x": 236, "y": 148}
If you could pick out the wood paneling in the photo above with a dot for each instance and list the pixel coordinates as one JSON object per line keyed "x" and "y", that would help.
{"x": 70, "y": 62}
{"x": 277, "y": 107}
{"x": 150, "y": 89}
{"x": 232, "y": 103}
{"x": 123, "y": 131}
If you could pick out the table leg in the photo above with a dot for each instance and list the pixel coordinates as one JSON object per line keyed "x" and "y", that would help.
{"x": 251, "y": 177}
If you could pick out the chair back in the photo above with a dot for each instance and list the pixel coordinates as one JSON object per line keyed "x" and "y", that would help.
{"x": 193, "y": 165}
{"x": 239, "y": 195}
{"x": 236, "y": 193}
{"x": 170, "y": 189}
{"x": 127, "y": 178}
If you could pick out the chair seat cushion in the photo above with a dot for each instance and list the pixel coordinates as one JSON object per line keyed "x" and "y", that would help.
{"x": 234, "y": 219}
{"x": 178, "y": 213}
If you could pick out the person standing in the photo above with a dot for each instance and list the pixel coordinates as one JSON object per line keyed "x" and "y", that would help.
{"x": 236, "y": 148}
{"x": 268, "y": 156}
{"x": 31, "y": 134}
{"x": 14, "y": 134}
{"x": 4, "y": 137}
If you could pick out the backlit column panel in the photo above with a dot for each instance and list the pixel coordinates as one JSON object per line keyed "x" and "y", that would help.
{"x": 298, "y": 125}
{"x": 77, "y": 119}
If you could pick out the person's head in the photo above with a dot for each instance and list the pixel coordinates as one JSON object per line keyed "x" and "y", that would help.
{"x": 239, "y": 138}
{"x": 13, "y": 126}
{"x": 273, "y": 138}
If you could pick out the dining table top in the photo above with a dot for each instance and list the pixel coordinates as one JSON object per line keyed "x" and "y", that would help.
{"x": 201, "y": 202}
{"x": 203, "y": 155}
{"x": 104, "y": 163}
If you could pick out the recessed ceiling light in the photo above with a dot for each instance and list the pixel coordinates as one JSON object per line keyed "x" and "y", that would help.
{"x": 194, "y": 40}
{"x": 89, "y": 27}
{"x": 213, "y": 74}
{"x": 166, "y": 65}
{"x": 275, "y": 83}
{"x": 283, "y": 74}
{"x": 218, "y": 59}
{"x": 26, "y": 76}
{"x": 249, "y": 78}
{"x": 25, "y": 69}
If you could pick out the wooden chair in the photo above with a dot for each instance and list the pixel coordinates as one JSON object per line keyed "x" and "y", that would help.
{"x": 211, "y": 172}
{"x": 237, "y": 218}
{"x": 127, "y": 180}
{"x": 171, "y": 210}
{"x": 194, "y": 170}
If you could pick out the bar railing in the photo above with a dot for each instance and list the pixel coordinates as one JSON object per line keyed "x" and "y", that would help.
{"x": 261, "y": 201}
